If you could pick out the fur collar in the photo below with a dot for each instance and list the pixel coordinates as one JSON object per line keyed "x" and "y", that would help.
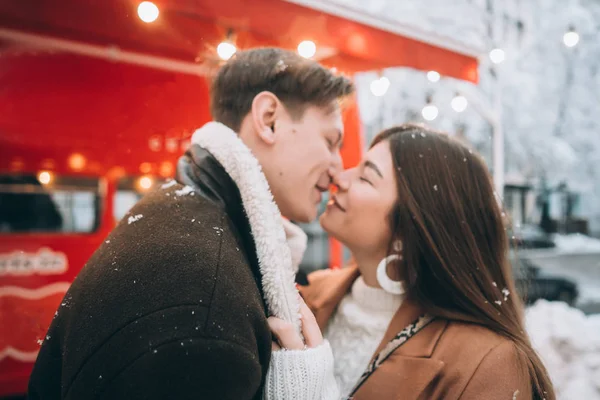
{"x": 273, "y": 253}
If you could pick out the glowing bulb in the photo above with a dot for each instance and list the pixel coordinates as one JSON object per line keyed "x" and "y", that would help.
{"x": 148, "y": 11}
{"x": 76, "y": 161}
{"x": 226, "y": 50}
{"x": 45, "y": 177}
{"x": 307, "y": 48}
{"x": 380, "y": 86}
{"x": 571, "y": 38}
{"x": 433, "y": 76}
{"x": 145, "y": 182}
{"x": 459, "y": 103}
{"x": 430, "y": 112}
{"x": 497, "y": 56}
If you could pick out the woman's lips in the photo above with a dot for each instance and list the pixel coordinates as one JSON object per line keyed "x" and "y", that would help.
{"x": 334, "y": 202}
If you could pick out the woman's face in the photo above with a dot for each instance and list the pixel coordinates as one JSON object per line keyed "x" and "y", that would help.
{"x": 359, "y": 216}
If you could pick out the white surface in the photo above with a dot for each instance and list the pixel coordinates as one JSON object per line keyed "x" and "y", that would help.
{"x": 569, "y": 344}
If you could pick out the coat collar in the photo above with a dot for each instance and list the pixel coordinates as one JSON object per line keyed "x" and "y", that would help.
{"x": 273, "y": 253}
{"x": 200, "y": 170}
{"x": 326, "y": 290}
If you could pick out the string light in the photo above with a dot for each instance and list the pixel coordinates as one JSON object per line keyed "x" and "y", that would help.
{"x": 433, "y": 76}
{"x": 497, "y": 56}
{"x": 459, "y": 103}
{"x": 226, "y": 50}
{"x": 430, "y": 112}
{"x": 145, "y": 182}
{"x": 379, "y": 87}
{"x": 571, "y": 38}
{"x": 45, "y": 177}
{"x": 307, "y": 48}
{"x": 148, "y": 11}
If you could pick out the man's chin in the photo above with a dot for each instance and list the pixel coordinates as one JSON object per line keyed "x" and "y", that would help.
{"x": 303, "y": 217}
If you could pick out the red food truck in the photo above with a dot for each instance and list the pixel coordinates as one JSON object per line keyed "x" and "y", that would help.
{"x": 99, "y": 98}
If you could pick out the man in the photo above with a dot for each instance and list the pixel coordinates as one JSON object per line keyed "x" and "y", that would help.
{"x": 171, "y": 306}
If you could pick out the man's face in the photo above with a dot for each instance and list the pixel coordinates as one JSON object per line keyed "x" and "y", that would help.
{"x": 305, "y": 155}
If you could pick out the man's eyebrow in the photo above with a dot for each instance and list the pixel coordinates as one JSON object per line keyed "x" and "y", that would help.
{"x": 370, "y": 164}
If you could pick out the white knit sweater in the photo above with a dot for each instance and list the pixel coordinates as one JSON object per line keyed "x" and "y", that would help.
{"x": 353, "y": 334}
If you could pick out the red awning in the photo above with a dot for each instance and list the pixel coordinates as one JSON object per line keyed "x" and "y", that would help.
{"x": 187, "y": 32}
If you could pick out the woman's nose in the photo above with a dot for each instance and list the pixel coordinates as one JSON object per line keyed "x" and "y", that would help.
{"x": 341, "y": 181}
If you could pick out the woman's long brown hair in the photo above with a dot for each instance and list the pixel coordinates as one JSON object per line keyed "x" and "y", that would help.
{"x": 455, "y": 253}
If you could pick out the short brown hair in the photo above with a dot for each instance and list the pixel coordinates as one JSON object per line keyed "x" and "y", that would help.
{"x": 296, "y": 81}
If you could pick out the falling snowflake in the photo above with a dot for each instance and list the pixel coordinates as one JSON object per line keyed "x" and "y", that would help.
{"x": 495, "y": 284}
{"x": 420, "y": 155}
{"x": 435, "y": 187}
{"x": 169, "y": 184}
{"x": 39, "y": 342}
{"x": 465, "y": 159}
{"x": 423, "y": 134}
{"x": 506, "y": 293}
{"x": 280, "y": 66}
{"x": 108, "y": 241}
{"x": 134, "y": 218}
{"x": 194, "y": 220}
{"x": 498, "y": 302}
{"x": 515, "y": 394}
{"x": 413, "y": 136}
{"x": 47, "y": 337}
{"x": 185, "y": 191}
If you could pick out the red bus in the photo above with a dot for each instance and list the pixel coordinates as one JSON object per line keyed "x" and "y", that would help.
{"x": 97, "y": 105}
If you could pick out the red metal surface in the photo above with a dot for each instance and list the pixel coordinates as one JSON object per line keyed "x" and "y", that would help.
{"x": 187, "y": 29}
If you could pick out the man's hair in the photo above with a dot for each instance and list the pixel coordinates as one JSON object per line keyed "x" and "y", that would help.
{"x": 297, "y": 82}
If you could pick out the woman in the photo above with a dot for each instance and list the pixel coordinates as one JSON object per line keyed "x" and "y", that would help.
{"x": 429, "y": 310}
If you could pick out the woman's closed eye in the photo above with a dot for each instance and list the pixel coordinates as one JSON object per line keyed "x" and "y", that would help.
{"x": 365, "y": 180}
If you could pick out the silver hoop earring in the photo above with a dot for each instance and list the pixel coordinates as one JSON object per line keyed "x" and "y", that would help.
{"x": 390, "y": 286}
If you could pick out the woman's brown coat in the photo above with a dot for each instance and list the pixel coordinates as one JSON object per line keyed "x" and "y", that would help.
{"x": 445, "y": 360}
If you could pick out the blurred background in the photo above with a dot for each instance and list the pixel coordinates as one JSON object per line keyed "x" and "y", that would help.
{"x": 99, "y": 98}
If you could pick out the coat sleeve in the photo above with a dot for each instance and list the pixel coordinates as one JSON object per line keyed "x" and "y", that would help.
{"x": 197, "y": 368}
{"x": 498, "y": 377}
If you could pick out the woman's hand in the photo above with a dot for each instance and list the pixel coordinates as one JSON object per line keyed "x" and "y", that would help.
{"x": 285, "y": 334}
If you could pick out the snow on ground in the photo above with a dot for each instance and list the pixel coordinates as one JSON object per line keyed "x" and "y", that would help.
{"x": 568, "y": 342}
{"x": 577, "y": 243}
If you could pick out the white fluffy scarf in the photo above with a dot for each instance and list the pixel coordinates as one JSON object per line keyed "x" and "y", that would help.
{"x": 273, "y": 253}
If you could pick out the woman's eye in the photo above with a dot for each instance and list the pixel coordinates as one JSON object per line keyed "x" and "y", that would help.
{"x": 364, "y": 180}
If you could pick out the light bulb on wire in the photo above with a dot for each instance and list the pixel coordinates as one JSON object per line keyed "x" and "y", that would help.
{"x": 226, "y": 50}
{"x": 433, "y": 76}
{"x": 459, "y": 103}
{"x": 571, "y": 38}
{"x": 307, "y": 48}
{"x": 497, "y": 56}
{"x": 148, "y": 11}
{"x": 430, "y": 112}
{"x": 379, "y": 87}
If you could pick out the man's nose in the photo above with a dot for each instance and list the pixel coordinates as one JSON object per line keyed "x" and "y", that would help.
{"x": 341, "y": 180}
{"x": 337, "y": 164}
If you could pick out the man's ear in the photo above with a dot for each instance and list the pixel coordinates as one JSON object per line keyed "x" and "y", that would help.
{"x": 264, "y": 108}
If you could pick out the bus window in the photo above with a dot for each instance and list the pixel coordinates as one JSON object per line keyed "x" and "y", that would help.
{"x": 130, "y": 190}
{"x": 49, "y": 203}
